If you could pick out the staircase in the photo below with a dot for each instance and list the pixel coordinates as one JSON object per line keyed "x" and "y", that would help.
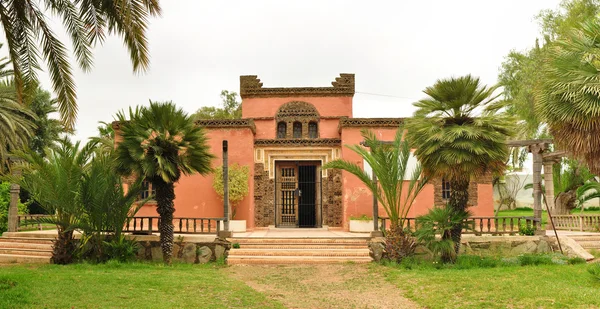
{"x": 587, "y": 242}
{"x": 254, "y": 250}
{"x": 25, "y": 249}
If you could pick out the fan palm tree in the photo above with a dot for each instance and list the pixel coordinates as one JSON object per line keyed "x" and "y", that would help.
{"x": 459, "y": 133}
{"x": 569, "y": 98}
{"x": 159, "y": 143}
{"x": 390, "y": 164}
{"x": 30, "y": 37}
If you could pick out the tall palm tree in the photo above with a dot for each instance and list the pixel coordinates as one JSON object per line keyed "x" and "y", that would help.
{"x": 390, "y": 164}
{"x": 569, "y": 99}
{"x": 16, "y": 121}
{"x": 159, "y": 143}
{"x": 459, "y": 133}
{"x": 30, "y": 37}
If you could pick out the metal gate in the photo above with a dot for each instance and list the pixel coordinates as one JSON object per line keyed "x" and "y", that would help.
{"x": 297, "y": 194}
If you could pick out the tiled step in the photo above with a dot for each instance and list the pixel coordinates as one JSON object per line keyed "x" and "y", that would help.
{"x": 300, "y": 252}
{"x": 301, "y": 246}
{"x": 14, "y": 258}
{"x": 585, "y": 238}
{"x": 589, "y": 244}
{"x": 34, "y": 240}
{"x": 244, "y": 260}
{"x": 250, "y": 240}
{"x": 25, "y": 245}
{"x": 29, "y": 252}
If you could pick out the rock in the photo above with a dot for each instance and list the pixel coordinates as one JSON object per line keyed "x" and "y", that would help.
{"x": 204, "y": 254}
{"x": 527, "y": 247}
{"x": 188, "y": 253}
{"x": 376, "y": 250}
{"x": 480, "y": 245}
{"x": 219, "y": 251}
{"x": 543, "y": 247}
{"x": 157, "y": 255}
{"x": 176, "y": 251}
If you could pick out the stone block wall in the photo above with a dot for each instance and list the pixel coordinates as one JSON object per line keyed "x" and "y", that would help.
{"x": 264, "y": 197}
{"x": 332, "y": 199}
{"x": 185, "y": 251}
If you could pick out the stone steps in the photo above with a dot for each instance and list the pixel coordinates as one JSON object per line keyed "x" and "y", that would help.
{"x": 589, "y": 244}
{"x": 25, "y": 249}
{"x": 299, "y": 250}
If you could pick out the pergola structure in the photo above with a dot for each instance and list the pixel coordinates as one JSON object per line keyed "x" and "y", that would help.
{"x": 542, "y": 157}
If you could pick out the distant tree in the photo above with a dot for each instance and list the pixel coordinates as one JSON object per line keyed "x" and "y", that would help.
{"x": 47, "y": 130}
{"x": 238, "y": 184}
{"x": 230, "y": 108}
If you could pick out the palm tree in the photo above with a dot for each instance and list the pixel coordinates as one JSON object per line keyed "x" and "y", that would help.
{"x": 569, "y": 98}
{"x": 390, "y": 164}
{"x": 159, "y": 143}
{"x": 53, "y": 180}
{"x": 30, "y": 37}
{"x": 459, "y": 133}
{"x": 440, "y": 221}
{"x": 16, "y": 121}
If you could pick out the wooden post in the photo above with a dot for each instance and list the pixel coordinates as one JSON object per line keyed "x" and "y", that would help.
{"x": 376, "y": 232}
{"x": 226, "y": 212}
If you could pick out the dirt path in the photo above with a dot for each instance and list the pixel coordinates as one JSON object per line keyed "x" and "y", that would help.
{"x": 323, "y": 286}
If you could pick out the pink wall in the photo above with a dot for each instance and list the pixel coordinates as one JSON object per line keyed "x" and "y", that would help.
{"x": 267, "y": 107}
{"x": 194, "y": 195}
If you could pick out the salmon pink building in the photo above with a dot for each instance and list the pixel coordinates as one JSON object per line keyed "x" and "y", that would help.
{"x": 284, "y": 138}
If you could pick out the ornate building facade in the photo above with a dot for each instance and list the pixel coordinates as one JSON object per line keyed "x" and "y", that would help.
{"x": 284, "y": 138}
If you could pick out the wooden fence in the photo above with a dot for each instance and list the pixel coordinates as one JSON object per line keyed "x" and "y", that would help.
{"x": 141, "y": 225}
{"x": 480, "y": 225}
{"x": 578, "y": 222}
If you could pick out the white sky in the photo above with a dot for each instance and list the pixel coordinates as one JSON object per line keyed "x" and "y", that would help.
{"x": 397, "y": 48}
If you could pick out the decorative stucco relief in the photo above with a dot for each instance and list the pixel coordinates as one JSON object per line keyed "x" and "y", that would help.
{"x": 269, "y": 155}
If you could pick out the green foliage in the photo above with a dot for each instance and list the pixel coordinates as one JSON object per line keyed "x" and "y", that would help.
{"x": 361, "y": 218}
{"x": 48, "y": 130}
{"x": 594, "y": 271}
{"x": 399, "y": 244}
{"x": 389, "y": 162}
{"x": 159, "y": 143}
{"x": 121, "y": 249}
{"x": 535, "y": 259}
{"x": 235, "y": 245}
{"x": 238, "y": 184}
{"x": 576, "y": 260}
{"x": 526, "y": 230}
{"x": 435, "y": 231}
{"x": 231, "y": 108}
{"x": 4, "y": 205}
{"x": 30, "y": 38}
{"x": 466, "y": 261}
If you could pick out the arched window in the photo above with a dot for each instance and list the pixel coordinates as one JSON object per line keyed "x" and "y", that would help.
{"x": 297, "y": 129}
{"x": 281, "y": 129}
{"x": 313, "y": 130}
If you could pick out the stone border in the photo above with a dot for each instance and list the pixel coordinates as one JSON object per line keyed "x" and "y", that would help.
{"x": 251, "y": 87}
{"x": 329, "y": 142}
{"x": 346, "y": 122}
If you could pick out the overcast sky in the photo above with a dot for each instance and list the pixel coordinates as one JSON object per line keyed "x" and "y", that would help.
{"x": 199, "y": 48}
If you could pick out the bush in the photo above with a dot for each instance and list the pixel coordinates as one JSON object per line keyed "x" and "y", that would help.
{"x": 576, "y": 260}
{"x": 399, "y": 244}
{"x": 121, "y": 249}
{"x": 235, "y": 245}
{"x": 535, "y": 259}
{"x": 527, "y": 230}
{"x": 594, "y": 271}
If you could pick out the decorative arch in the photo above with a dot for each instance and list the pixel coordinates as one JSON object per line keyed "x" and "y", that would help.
{"x": 297, "y": 116}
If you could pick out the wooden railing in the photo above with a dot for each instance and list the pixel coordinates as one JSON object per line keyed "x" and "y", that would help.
{"x": 27, "y": 222}
{"x": 578, "y": 222}
{"x": 142, "y": 225}
{"x": 149, "y": 225}
{"x": 479, "y": 225}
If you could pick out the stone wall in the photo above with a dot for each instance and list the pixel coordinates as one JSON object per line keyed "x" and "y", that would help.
{"x": 332, "y": 199}
{"x": 264, "y": 197}
{"x": 187, "y": 249}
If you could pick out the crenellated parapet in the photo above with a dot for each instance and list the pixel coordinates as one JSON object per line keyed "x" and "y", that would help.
{"x": 252, "y": 87}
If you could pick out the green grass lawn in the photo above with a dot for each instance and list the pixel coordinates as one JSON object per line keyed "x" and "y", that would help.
{"x": 548, "y": 286}
{"x": 125, "y": 286}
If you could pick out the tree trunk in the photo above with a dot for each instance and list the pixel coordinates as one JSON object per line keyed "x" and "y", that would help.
{"x": 565, "y": 202}
{"x": 459, "y": 196}
{"x": 63, "y": 248}
{"x": 165, "y": 194}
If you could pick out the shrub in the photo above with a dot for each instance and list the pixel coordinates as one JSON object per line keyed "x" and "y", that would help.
{"x": 121, "y": 249}
{"x": 535, "y": 259}
{"x": 5, "y": 203}
{"x": 235, "y": 245}
{"x": 362, "y": 218}
{"x": 238, "y": 184}
{"x": 526, "y": 230}
{"x": 594, "y": 271}
{"x": 576, "y": 260}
